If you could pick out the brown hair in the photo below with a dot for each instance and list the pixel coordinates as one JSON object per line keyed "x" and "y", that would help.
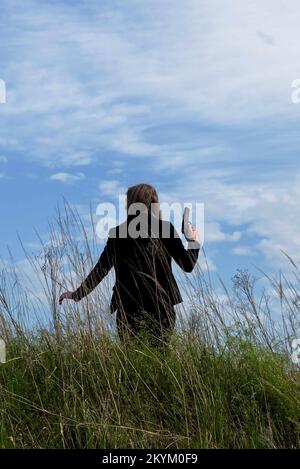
{"x": 144, "y": 194}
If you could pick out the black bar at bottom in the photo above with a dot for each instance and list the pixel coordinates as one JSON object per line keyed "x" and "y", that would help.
{"x": 136, "y": 458}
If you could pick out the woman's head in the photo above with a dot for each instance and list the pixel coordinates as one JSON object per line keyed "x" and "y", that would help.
{"x": 146, "y": 195}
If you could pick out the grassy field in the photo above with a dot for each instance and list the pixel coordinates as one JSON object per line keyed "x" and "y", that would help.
{"x": 226, "y": 380}
{"x": 88, "y": 392}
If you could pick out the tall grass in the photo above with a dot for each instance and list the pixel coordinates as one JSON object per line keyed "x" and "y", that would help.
{"x": 225, "y": 381}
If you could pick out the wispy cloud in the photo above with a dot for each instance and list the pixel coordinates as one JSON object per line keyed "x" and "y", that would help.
{"x": 243, "y": 250}
{"x": 267, "y": 211}
{"x": 112, "y": 188}
{"x": 106, "y": 77}
{"x": 214, "y": 233}
{"x": 67, "y": 177}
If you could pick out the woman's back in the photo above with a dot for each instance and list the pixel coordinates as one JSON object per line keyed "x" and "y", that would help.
{"x": 142, "y": 264}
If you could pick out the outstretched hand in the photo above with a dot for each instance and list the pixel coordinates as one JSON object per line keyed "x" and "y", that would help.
{"x": 68, "y": 295}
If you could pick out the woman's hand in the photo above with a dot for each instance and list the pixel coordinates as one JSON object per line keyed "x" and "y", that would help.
{"x": 192, "y": 234}
{"x": 67, "y": 295}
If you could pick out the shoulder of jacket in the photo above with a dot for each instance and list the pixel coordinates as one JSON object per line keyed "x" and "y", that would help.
{"x": 116, "y": 231}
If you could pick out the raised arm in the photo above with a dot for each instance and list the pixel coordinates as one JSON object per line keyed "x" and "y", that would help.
{"x": 185, "y": 258}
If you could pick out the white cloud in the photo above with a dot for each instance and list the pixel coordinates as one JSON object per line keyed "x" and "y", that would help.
{"x": 110, "y": 188}
{"x": 214, "y": 233}
{"x": 67, "y": 177}
{"x": 243, "y": 250}
{"x": 106, "y": 78}
{"x": 269, "y": 212}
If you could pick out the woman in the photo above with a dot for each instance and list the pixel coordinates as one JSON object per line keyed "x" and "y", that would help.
{"x": 141, "y": 251}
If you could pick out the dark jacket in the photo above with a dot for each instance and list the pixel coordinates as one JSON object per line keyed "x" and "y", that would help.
{"x": 144, "y": 278}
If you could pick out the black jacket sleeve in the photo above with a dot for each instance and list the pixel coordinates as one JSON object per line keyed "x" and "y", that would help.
{"x": 185, "y": 258}
{"x": 97, "y": 274}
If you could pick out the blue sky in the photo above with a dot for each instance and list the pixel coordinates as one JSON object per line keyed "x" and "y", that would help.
{"x": 193, "y": 97}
